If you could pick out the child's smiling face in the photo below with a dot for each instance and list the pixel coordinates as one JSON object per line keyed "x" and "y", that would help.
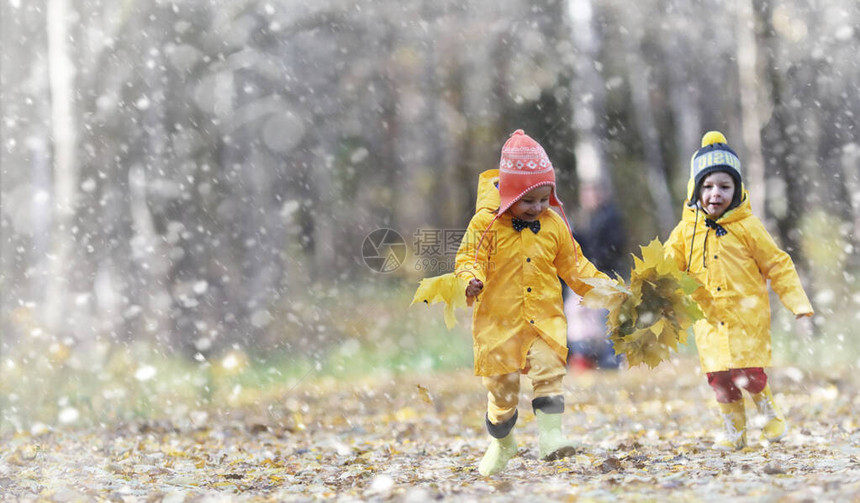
{"x": 716, "y": 193}
{"x": 531, "y": 205}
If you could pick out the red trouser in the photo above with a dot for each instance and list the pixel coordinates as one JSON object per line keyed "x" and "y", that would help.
{"x": 728, "y": 383}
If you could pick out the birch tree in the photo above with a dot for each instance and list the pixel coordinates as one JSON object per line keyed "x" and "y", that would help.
{"x": 65, "y": 177}
{"x": 589, "y": 95}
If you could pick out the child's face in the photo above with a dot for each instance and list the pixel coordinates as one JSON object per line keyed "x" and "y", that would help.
{"x": 718, "y": 188}
{"x": 531, "y": 205}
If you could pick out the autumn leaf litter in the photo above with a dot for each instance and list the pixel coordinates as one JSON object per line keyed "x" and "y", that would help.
{"x": 643, "y": 434}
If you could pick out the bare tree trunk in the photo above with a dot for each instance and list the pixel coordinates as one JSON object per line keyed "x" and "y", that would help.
{"x": 750, "y": 118}
{"x": 780, "y": 156}
{"x": 436, "y": 148}
{"x": 658, "y": 184}
{"x": 686, "y": 112}
{"x": 40, "y": 167}
{"x": 466, "y": 162}
{"x": 849, "y": 161}
{"x": 589, "y": 113}
{"x": 63, "y": 129}
{"x": 151, "y": 282}
{"x": 324, "y": 223}
{"x": 839, "y": 186}
{"x": 778, "y": 147}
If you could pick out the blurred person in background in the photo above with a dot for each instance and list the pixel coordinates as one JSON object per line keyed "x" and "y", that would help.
{"x": 600, "y": 231}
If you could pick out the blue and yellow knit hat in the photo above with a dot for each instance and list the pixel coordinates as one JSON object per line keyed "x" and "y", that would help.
{"x": 714, "y": 155}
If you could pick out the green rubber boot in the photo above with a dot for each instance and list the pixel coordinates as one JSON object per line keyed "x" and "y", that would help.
{"x": 552, "y": 445}
{"x": 503, "y": 446}
{"x": 500, "y": 451}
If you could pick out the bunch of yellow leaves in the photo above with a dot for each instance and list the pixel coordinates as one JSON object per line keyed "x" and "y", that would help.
{"x": 447, "y": 288}
{"x": 655, "y": 317}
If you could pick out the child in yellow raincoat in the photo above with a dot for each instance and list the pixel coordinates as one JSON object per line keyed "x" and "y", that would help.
{"x": 513, "y": 253}
{"x": 723, "y": 245}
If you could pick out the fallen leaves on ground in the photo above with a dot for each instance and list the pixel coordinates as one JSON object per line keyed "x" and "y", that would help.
{"x": 643, "y": 435}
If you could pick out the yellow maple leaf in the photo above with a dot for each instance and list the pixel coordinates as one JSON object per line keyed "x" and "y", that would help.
{"x": 666, "y": 332}
{"x": 653, "y": 353}
{"x": 652, "y": 254}
{"x": 447, "y": 288}
{"x": 424, "y": 393}
{"x": 604, "y": 293}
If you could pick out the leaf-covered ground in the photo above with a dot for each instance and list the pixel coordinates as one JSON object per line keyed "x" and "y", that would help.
{"x": 645, "y": 435}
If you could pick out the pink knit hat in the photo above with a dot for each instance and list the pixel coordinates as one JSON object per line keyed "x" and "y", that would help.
{"x": 524, "y": 166}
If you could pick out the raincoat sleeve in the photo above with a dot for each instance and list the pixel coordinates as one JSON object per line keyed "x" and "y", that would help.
{"x": 572, "y": 266}
{"x": 467, "y": 266}
{"x": 777, "y": 266}
{"x": 676, "y": 247}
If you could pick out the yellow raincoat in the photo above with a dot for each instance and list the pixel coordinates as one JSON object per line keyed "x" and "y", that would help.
{"x": 734, "y": 269}
{"x": 521, "y": 300}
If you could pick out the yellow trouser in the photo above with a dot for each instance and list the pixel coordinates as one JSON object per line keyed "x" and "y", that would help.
{"x": 546, "y": 371}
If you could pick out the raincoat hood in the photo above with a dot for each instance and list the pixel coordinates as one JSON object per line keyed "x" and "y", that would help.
{"x": 735, "y": 258}
{"x": 488, "y": 191}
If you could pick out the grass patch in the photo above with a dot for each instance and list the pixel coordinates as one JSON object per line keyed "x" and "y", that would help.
{"x": 370, "y": 330}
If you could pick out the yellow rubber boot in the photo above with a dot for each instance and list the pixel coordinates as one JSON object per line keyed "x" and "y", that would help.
{"x": 500, "y": 451}
{"x": 552, "y": 445}
{"x": 734, "y": 419}
{"x": 776, "y": 427}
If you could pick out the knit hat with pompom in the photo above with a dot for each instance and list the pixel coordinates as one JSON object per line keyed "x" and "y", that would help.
{"x": 714, "y": 155}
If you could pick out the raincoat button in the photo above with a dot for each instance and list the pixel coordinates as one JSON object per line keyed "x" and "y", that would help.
{"x": 529, "y": 289}
{"x": 532, "y": 322}
{"x": 715, "y": 257}
{"x": 529, "y": 259}
{"x": 718, "y": 289}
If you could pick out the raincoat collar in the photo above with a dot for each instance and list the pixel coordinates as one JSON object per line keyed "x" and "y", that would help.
{"x": 490, "y": 199}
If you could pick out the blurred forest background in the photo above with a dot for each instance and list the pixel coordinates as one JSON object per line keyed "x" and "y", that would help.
{"x": 187, "y": 185}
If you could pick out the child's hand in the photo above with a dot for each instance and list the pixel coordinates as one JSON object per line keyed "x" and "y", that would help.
{"x": 474, "y": 288}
